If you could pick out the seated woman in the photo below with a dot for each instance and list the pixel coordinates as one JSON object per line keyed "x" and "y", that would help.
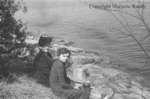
{"x": 59, "y": 81}
{"x": 43, "y": 61}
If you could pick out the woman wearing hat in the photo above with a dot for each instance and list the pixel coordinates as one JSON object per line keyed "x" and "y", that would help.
{"x": 43, "y": 61}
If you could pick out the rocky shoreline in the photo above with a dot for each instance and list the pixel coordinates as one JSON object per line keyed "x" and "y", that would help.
{"x": 106, "y": 80}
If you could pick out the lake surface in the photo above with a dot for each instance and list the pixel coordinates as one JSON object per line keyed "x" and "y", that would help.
{"x": 89, "y": 28}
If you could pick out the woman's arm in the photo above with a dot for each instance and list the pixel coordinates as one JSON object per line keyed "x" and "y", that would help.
{"x": 61, "y": 76}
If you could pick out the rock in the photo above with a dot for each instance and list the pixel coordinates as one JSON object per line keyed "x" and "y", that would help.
{"x": 63, "y": 42}
{"x": 101, "y": 93}
{"x": 104, "y": 59}
{"x": 136, "y": 90}
{"x": 72, "y": 49}
{"x": 118, "y": 96}
{"x": 118, "y": 84}
{"x": 79, "y": 59}
{"x": 78, "y": 74}
{"x": 85, "y": 58}
{"x": 146, "y": 94}
{"x": 75, "y": 50}
{"x": 131, "y": 96}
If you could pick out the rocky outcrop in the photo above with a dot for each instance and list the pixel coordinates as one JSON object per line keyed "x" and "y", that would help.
{"x": 109, "y": 83}
{"x": 106, "y": 82}
{"x": 88, "y": 66}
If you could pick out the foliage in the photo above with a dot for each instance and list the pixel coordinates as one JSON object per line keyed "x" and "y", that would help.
{"x": 12, "y": 31}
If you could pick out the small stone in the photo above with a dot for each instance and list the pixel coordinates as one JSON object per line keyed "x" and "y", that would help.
{"x": 101, "y": 92}
{"x": 146, "y": 94}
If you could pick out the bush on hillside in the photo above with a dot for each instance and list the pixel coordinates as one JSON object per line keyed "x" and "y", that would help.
{"x": 12, "y": 31}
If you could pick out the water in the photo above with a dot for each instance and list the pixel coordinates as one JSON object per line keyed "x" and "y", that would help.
{"x": 89, "y": 28}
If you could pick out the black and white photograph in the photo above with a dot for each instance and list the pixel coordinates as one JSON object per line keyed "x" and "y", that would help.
{"x": 74, "y": 49}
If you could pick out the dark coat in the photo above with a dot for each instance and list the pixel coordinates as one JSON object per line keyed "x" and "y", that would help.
{"x": 60, "y": 83}
{"x": 42, "y": 63}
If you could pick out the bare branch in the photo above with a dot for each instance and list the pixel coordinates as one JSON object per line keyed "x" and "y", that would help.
{"x": 139, "y": 17}
{"x": 126, "y": 26}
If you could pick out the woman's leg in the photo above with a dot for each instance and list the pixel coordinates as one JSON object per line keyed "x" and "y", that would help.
{"x": 85, "y": 92}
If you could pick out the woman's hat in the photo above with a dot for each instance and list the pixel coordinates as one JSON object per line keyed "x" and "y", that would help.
{"x": 44, "y": 41}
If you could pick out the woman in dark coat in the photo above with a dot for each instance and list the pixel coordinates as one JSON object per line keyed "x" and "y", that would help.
{"x": 59, "y": 81}
{"x": 43, "y": 61}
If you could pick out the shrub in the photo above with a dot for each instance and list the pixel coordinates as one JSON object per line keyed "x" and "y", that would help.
{"x": 12, "y": 31}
